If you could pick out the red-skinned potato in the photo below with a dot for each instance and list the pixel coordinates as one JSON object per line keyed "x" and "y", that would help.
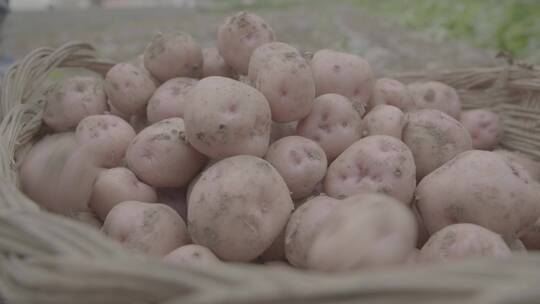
{"x": 68, "y": 102}
{"x": 117, "y": 185}
{"x": 363, "y": 232}
{"x": 214, "y": 65}
{"x": 391, "y": 92}
{"x": 225, "y": 117}
{"x": 261, "y": 55}
{"x": 169, "y": 99}
{"x": 437, "y": 96}
{"x": 377, "y": 163}
{"x": 300, "y": 161}
{"x": 531, "y": 166}
{"x": 238, "y": 207}
{"x": 161, "y": 156}
{"x": 171, "y": 55}
{"x": 239, "y": 36}
{"x": 332, "y": 123}
{"x": 462, "y": 241}
{"x": 485, "y": 128}
{"x": 192, "y": 254}
{"x": 344, "y": 74}
{"x": 152, "y": 229}
{"x": 383, "y": 120}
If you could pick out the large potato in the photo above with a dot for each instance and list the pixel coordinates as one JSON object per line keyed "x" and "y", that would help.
{"x": 345, "y": 74}
{"x": 239, "y": 36}
{"x": 226, "y": 117}
{"x": 238, "y": 207}
{"x": 377, "y": 163}
{"x": 300, "y": 161}
{"x": 437, "y": 96}
{"x": 169, "y": 99}
{"x": 333, "y": 123}
{"x": 384, "y": 120}
{"x": 485, "y": 128}
{"x": 482, "y": 188}
{"x": 214, "y": 65}
{"x": 434, "y": 138}
{"x": 365, "y": 231}
{"x": 391, "y": 92}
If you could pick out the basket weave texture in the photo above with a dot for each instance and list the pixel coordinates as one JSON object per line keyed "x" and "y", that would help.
{"x": 46, "y": 258}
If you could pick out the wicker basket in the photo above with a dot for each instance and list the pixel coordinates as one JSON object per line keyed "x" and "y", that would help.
{"x": 46, "y": 258}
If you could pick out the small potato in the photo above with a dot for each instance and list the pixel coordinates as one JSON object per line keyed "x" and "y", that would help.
{"x": 238, "y": 207}
{"x": 482, "y": 188}
{"x": 129, "y": 88}
{"x": 384, "y": 120}
{"x": 363, "y": 232}
{"x": 152, "y": 229}
{"x": 345, "y": 74}
{"x": 226, "y": 117}
{"x": 434, "y": 138}
{"x": 437, "y": 96}
{"x": 161, "y": 156}
{"x": 300, "y": 161}
{"x": 261, "y": 55}
{"x": 485, "y": 128}
{"x": 169, "y": 99}
{"x": 191, "y": 254}
{"x": 171, "y": 55}
{"x": 462, "y": 241}
{"x": 175, "y": 198}
{"x": 377, "y": 163}
{"x": 239, "y": 36}
{"x": 214, "y": 65}
{"x": 531, "y": 238}
{"x": 303, "y": 227}
{"x": 531, "y": 166}
{"x": 117, "y": 185}
{"x": 280, "y": 130}
{"x": 391, "y": 92}
{"x": 68, "y": 102}
{"x": 333, "y": 123}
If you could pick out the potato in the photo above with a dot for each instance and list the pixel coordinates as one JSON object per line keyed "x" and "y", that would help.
{"x": 191, "y": 254}
{"x": 214, "y": 65}
{"x": 68, "y": 102}
{"x": 344, "y": 74}
{"x": 129, "y": 88}
{"x": 482, "y": 188}
{"x": 437, "y": 96}
{"x": 280, "y": 130}
{"x": 152, "y": 229}
{"x": 462, "y": 241}
{"x": 485, "y": 128}
{"x": 175, "y": 198}
{"x": 434, "y": 138}
{"x": 238, "y": 207}
{"x": 387, "y": 91}
{"x": 300, "y": 161}
{"x": 161, "y": 156}
{"x": 226, "y": 117}
{"x": 531, "y": 238}
{"x": 239, "y": 36}
{"x": 531, "y": 166}
{"x": 117, "y": 185}
{"x": 304, "y": 225}
{"x": 261, "y": 55}
{"x": 363, "y": 232}
{"x": 169, "y": 99}
{"x": 332, "y": 123}
{"x": 171, "y": 55}
{"x": 384, "y": 120}
{"x": 377, "y": 163}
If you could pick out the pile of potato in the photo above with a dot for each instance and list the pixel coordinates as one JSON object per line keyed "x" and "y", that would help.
{"x": 256, "y": 152}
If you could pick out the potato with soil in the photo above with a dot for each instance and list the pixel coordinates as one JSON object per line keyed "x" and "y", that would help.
{"x": 332, "y": 123}
{"x": 384, "y": 120}
{"x": 128, "y": 88}
{"x": 172, "y": 55}
{"x": 239, "y": 36}
{"x": 344, "y": 74}
{"x": 377, "y": 163}
{"x": 387, "y": 91}
{"x": 437, "y": 96}
{"x": 303, "y": 227}
{"x": 238, "y": 207}
{"x": 261, "y": 55}
{"x": 482, "y": 188}
{"x": 169, "y": 99}
{"x": 531, "y": 166}
{"x": 363, "y": 232}
{"x": 300, "y": 161}
{"x": 117, "y": 185}
{"x": 434, "y": 138}
{"x": 214, "y": 65}
{"x": 191, "y": 254}
{"x": 161, "y": 156}
{"x": 69, "y": 101}
{"x": 152, "y": 229}
{"x": 226, "y": 117}
{"x": 462, "y": 241}
{"x": 485, "y": 128}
